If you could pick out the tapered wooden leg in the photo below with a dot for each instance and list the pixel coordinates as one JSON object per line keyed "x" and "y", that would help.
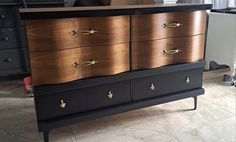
{"x": 46, "y": 136}
{"x": 195, "y": 103}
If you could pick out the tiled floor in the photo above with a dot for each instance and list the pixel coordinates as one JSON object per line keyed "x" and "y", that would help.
{"x": 213, "y": 121}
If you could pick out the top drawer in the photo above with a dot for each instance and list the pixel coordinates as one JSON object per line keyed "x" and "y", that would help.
{"x": 164, "y": 25}
{"x": 9, "y": 16}
{"x": 77, "y": 32}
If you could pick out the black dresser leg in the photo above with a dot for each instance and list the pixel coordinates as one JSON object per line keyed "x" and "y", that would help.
{"x": 195, "y": 103}
{"x": 46, "y": 136}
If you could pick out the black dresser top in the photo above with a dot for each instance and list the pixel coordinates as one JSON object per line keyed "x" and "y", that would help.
{"x": 95, "y": 11}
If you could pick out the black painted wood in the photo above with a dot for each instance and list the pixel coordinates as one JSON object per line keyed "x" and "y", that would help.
{"x": 90, "y": 82}
{"x": 185, "y": 80}
{"x": 119, "y": 10}
{"x": 98, "y": 96}
{"x": 71, "y": 119}
{"x": 48, "y": 107}
{"x": 141, "y": 87}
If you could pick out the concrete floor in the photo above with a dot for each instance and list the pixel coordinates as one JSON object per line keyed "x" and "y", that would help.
{"x": 213, "y": 121}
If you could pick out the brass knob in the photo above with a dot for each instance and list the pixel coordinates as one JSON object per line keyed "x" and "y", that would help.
{"x": 90, "y": 63}
{"x": 62, "y": 104}
{"x": 171, "y": 52}
{"x": 110, "y": 95}
{"x": 152, "y": 87}
{"x": 187, "y": 80}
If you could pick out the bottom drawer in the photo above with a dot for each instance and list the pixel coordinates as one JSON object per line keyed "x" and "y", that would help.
{"x": 186, "y": 80}
{"x": 14, "y": 58}
{"x": 56, "y": 105}
{"x": 151, "y": 86}
{"x": 108, "y": 95}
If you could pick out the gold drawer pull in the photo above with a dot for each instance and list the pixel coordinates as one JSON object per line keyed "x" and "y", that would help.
{"x": 62, "y": 104}
{"x": 172, "y": 25}
{"x": 89, "y": 32}
{"x": 88, "y": 63}
{"x": 171, "y": 52}
{"x": 86, "y": 32}
{"x": 187, "y": 80}
{"x": 152, "y": 87}
{"x": 110, "y": 95}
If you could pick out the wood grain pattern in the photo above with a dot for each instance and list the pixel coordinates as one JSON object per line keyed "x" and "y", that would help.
{"x": 53, "y": 34}
{"x": 150, "y": 27}
{"x": 149, "y": 54}
{"x": 52, "y": 67}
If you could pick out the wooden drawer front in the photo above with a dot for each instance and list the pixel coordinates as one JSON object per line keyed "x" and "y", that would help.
{"x": 108, "y": 95}
{"x": 151, "y": 86}
{"x": 53, "y": 67}
{"x": 185, "y": 80}
{"x": 10, "y": 59}
{"x": 9, "y": 16}
{"x": 12, "y": 38}
{"x": 163, "y": 25}
{"x": 77, "y": 32}
{"x": 152, "y": 54}
{"x": 52, "y": 106}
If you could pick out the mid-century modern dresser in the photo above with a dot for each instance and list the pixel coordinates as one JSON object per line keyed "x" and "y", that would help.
{"x": 90, "y": 62}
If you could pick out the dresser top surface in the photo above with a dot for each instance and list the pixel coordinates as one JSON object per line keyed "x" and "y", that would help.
{"x": 113, "y": 10}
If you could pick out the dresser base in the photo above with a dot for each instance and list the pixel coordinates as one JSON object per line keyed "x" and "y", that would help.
{"x": 47, "y": 126}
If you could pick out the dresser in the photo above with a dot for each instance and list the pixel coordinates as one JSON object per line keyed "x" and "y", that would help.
{"x": 91, "y": 62}
{"x": 13, "y": 45}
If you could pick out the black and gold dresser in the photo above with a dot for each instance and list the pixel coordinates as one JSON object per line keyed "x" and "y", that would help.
{"x": 90, "y": 62}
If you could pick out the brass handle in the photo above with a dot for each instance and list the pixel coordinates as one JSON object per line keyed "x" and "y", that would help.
{"x": 187, "y": 80}
{"x": 89, "y": 32}
{"x": 171, "y": 52}
{"x": 152, "y": 87}
{"x": 62, "y": 104}
{"x": 172, "y": 25}
{"x": 90, "y": 63}
{"x": 86, "y": 32}
{"x": 110, "y": 95}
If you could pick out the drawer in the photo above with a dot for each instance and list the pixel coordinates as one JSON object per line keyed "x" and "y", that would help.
{"x": 53, "y": 67}
{"x": 12, "y": 38}
{"x": 9, "y": 16}
{"x": 52, "y": 106}
{"x": 108, "y": 95}
{"x": 151, "y": 86}
{"x": 77, "y": 32}
{"x": 14, "y": 58}
{"x": 186, "y": 80}
{"x": 152, "y": 54}
{"x": 163, "y": 25}
{"x": 10, "y": 1}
